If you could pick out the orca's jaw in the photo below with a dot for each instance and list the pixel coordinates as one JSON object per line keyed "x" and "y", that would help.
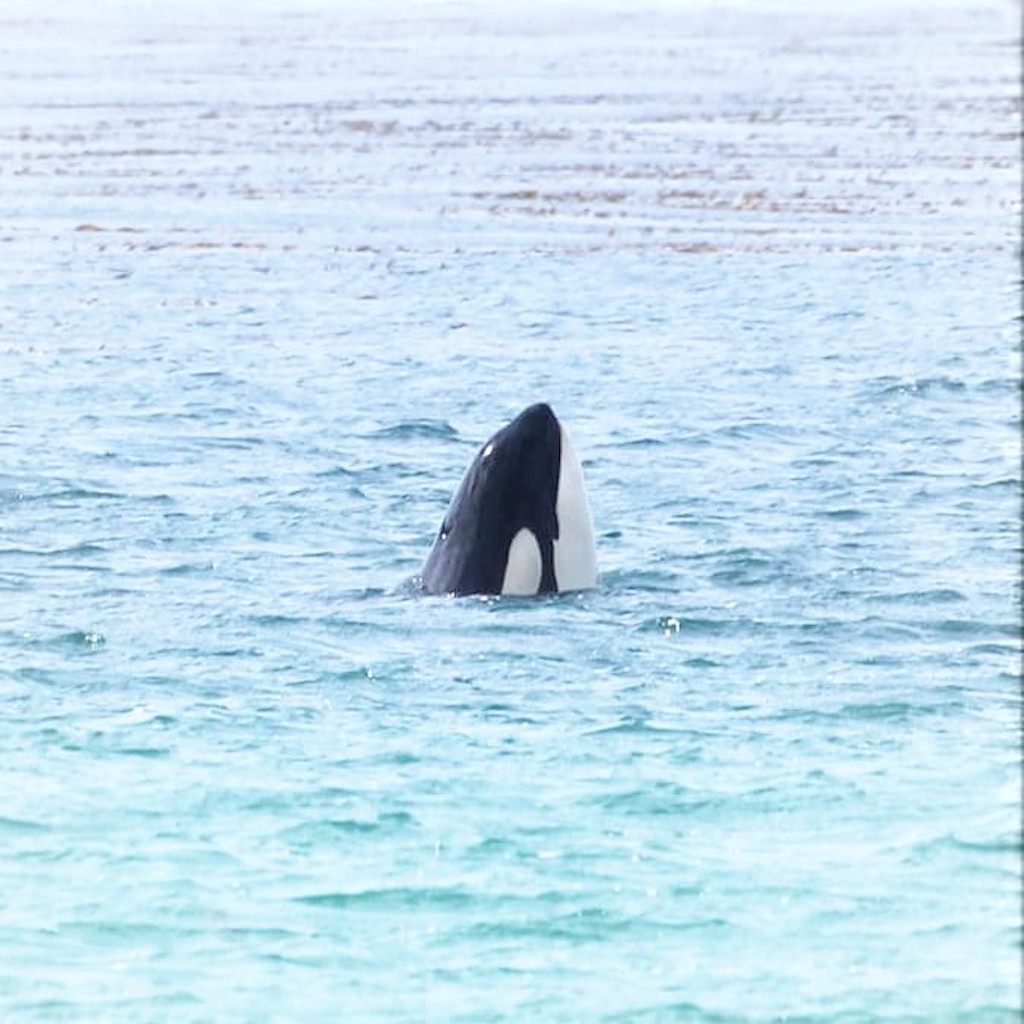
{"x": 575, "y": 554}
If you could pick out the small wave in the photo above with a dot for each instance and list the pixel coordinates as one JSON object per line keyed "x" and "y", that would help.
{"x": 228, "y": 443}
{"x": 143, "y": 752}
{"x": 1007, "y": 483}
{"x": 686, "y": 1012}
{"x": 392, "y": 899}
{"x": 1001, "y": 385}
{"x": 997, "y": 846}
{"x": 842, "y": 515}
{"x": 701, "y": 662}
{"x": 672, "y": 624}
{"x": 311, "y": 832}
{"x": 83, "y": 548}
{"x": 922, "y": 387}
{"x": 641, "y": 579}
{"x": 896, "y": 710}
{"x": 876, "y": 626}
{"x": 187, "y": 569}
{"x": 972, "y": 627}
{"x": 663, "y": 800}
{"x": 1000, "y": 650}
{"x": 271, "y": 620}
{"x": 415, "y": 428}
{"x": 746, "y": 568}
{"x": 1007, "y": 844}
{"x": 640, "y": 443}
{"x": 70, "y": 494}
{"x": 336, "y": 471}
{"x": 814, "y": 462}
{"x": 936, "y": 595}
{"x": 588, "y": 924}
{"x": 388, "y": 472}
{"x": 76, "y": 640}
{"x": 631, "y": 725}
{"x": 21, "y": 825}
{"x": 753, "y": 430}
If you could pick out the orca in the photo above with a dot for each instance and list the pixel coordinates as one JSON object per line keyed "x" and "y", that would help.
{"x": 519, "y": 523}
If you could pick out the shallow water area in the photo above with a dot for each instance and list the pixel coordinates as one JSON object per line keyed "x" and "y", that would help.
{"x": 269, "y": 276}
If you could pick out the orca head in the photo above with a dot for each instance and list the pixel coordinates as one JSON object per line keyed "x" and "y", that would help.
{"x": 519, "y": 523}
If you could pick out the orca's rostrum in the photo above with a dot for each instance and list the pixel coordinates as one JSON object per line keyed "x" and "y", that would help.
{"x": 519, "y": 524}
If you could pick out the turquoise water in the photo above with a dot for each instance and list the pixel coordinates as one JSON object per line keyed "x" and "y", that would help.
{"x": 270, "y": 277}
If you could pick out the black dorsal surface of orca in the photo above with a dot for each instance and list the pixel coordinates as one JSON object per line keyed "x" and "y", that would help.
{"x": 519, "y": 523}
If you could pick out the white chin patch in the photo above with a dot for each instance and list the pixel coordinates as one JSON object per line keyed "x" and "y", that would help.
{"x": 524, "y": 567}
{"x": 575, "y": 556}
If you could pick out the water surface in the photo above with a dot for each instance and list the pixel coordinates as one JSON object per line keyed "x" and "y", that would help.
{"x": 268, "y": 276}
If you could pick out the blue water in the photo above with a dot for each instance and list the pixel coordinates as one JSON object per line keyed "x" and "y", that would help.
{"x": 268, "y": 279}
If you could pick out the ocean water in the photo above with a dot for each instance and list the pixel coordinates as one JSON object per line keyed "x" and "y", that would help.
{"x": 269, "y": 274}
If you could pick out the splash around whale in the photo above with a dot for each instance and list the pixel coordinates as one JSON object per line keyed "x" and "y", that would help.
{"x": 519, "y": 523}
